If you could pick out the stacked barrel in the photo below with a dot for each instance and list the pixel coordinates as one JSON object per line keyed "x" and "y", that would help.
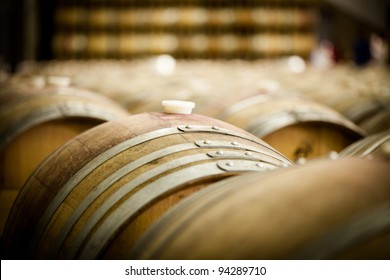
{"x": 185, "y": 29}
{"x": 38, "y": 115}
{"x": 265, "y": 167}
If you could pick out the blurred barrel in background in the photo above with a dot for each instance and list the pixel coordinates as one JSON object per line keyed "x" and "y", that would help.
{"x": 185, "y": 30}
{"x": 367, "y": 147}
{"x": 371, "y": 113}
{"x": 37, "y": 120}
{"x": 296, "y": 126}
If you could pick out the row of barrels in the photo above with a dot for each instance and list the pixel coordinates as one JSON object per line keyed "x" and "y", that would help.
{"x": 131, "y": 44}
{"x": 361, "y": 95}
{"x": 118, "y": 190}
{"x": 182, "y": 17}
{"x": 191, "y": 30}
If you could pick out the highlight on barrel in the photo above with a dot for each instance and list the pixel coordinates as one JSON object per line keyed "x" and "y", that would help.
{"x": 325, "y": 209}
{"x": 296, "y": 126}
{"x": 98, "y": 193}
{"x": 37, "y": 120}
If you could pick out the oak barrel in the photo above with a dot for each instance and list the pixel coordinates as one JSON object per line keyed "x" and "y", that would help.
{"x": 368, "y": 147}
{"x": 95, "y": 195}
{"x": 370, "y": 112}
{"x": 326, "y": 209}
{"x": 35, "y": 122}
{"x": 296, "y": 126}
{"x": 377, "y": 123}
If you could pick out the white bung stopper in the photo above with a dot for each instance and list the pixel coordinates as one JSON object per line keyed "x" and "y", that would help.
{"x": 178, "y": 107}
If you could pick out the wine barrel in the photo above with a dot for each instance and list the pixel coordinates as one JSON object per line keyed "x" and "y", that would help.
{"x": 297, "y": 127}
{"x": 35, "y": 122}
{"x": 357, "y": 107}
{"x": 325, "y": 209}
{"x": 370, "y": 112}
{"x": 16, "y": 85}
{"x": 377, "y": 123}
{"x": 95, "y": 195}
{"x": 367, "y": 147}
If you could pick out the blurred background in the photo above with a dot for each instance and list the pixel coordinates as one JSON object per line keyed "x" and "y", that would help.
{"x": 223, "y": 29}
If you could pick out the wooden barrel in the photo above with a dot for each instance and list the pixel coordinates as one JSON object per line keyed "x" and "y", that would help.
{"x": 297, "y": 127}
{"x": 16, "y": 85}
{"x": 367, "y": 147}
{"x": 357, "y": 107}
{"x": 377, "y": 123}
{"x": 371, "y": 113}
{"x": 36, "y": 122}
{"x": 324, "y": 209}
{"x": 95, "y": 195}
